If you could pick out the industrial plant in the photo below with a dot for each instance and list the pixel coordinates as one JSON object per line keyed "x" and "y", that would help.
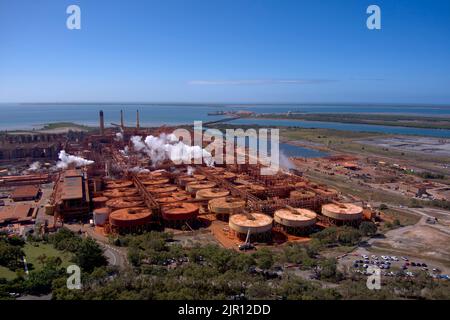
{"x": 115, "y": 178}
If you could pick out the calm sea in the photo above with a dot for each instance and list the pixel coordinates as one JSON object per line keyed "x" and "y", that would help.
{"x": 29, "y": 116}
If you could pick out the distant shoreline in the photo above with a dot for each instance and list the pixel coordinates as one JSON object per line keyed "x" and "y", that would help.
{"x": 410, "y": 121}
{"x": 243, "y": 104}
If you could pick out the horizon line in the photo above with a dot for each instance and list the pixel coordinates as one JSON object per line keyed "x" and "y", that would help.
{"x": 225, "y": 104}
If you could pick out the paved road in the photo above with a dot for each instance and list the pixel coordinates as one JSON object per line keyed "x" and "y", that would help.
{"x": 116, "y": 256}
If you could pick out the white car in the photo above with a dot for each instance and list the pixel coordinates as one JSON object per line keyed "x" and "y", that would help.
{"x": 374, "y": 257}
{"x": 365, "y": 257}
{"x": 394, "y": 258}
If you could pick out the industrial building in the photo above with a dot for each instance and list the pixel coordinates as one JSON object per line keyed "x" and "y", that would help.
{"x": 17, "y": 213}
{"x": 127, "y": 191}
{"x": 26, "y": 193}
{"x": 71, "y": 198}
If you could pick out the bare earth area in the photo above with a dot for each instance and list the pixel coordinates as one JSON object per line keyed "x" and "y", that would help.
{"x": 423, "y": 241}
{"x": 436, "y": 146}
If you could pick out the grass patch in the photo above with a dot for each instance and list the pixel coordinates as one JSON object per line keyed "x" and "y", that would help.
{"x": 7, "y": 274}
{"x": 361, "y": 191}
{"x": 405, "y": 218}
{"x": 34, "y": 251}
{"x": 58, "y": 125}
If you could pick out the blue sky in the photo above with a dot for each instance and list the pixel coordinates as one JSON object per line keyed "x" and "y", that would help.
{"x": 225, "y": 51}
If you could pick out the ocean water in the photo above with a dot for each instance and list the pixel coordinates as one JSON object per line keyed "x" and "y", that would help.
{"x": 29, "y": 116}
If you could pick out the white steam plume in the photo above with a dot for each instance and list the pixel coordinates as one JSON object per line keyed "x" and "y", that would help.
{"x": 67, "y": 159}
{"x": 169, "y": 147}
{"x": 139, "y": 170}
{"x": 190, "y": 171}
{"x": 119, "y": 136}
{"x": 35, "y": 166}
{"x": 285, "y": 162}
{"x": 125, "y": 151}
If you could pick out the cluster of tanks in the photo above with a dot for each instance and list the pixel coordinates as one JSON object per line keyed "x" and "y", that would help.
{"x": 177, "y": 195}
{"x": 231, "y": 196}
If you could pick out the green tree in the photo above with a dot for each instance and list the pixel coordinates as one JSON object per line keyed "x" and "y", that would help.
{"x": 89, "y": 255}
{"x": 10, "y": 256}
{"x": 264, "y": 258}
{"x": 367, "y": 228}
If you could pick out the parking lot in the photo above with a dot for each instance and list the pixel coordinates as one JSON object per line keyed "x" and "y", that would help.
{"x": 391, "y": 266}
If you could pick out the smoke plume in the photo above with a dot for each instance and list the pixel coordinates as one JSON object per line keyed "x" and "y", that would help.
{"x": 139, "y": 170}
{"x": 119, "y": 136}
{"x": 35, "y": 166}
{"x": 67, "y": 159}
{"x": 190, "y": 171}
{"x": 285, "y": 162}
{"x": 169, "y": 147}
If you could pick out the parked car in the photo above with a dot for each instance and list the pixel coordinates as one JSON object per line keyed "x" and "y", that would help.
{"x": 246, "y": 246}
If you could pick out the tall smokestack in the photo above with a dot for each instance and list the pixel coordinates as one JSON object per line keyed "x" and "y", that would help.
{"x": 137, "y": 119}
{"x": 121, "y": 120}
{"x": 102, "y": 123}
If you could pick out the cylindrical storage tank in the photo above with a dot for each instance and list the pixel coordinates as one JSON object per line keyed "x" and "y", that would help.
{"x": 99, "y": 202}
{"x": 301, "y": 194}
{"x": 184, "y": 180}
{"x": 193, "y": 187}
{"x": 199, "y": 177}
{"x": 330, "y": 193}
{"x": 120, "y": 203}
{"x": 101, "y": 216}
{"x": 118, "y": 193}
{"x": 295, "y": 220}
{"x": 259, "y": 225}
{"x": 118, "y": 184}
{"x": 165, "y": 189}
{"x": 257, "y": 188}
{"x": 208, "y": 194}
{"x": 226, "y": 175}
{"x": 173, "y": 197}
{"x": 343, "y": 212}
{"x": 223, "y": 207}
{"x": 179, "y": 211}
{"x": 130, "y": 219}
{"x": 155, "y": 182}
